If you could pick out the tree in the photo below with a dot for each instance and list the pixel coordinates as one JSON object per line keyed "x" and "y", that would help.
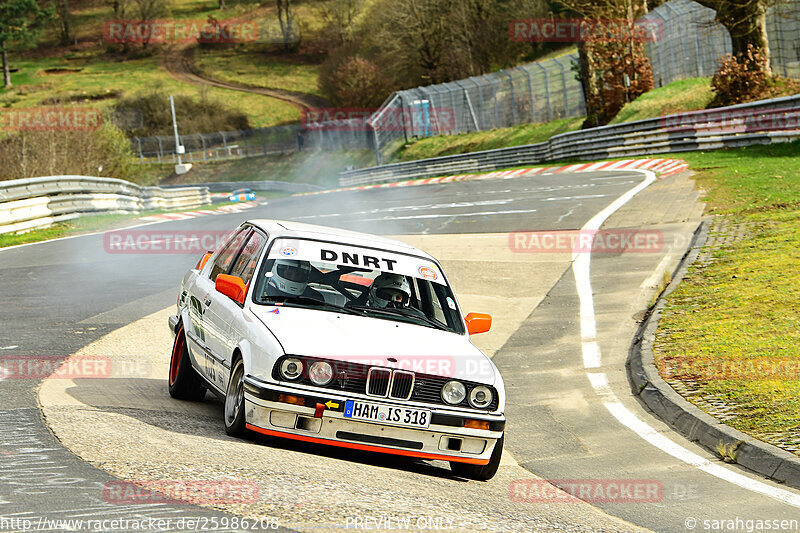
{"x": 20, "y": 24}
{"x": 746, "y": 22}
{"x": 286, "y": 20}
{"x": 148, "y": 10}
{"x": 434, "y": 41}
{"x": 613, "y": 66}
{"x": 62, "y": 9}
{"x": 340, "y": 17}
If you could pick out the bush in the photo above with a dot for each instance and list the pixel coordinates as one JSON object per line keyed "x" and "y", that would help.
{"x": 352, "y": 81}
{"x": 104, "y": 152}
{"x": 739, "y": 79}
{"x": 149, "y": 114}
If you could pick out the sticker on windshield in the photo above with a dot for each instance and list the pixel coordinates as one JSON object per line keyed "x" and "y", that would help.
{"x": 427, "y": 273}
{"x": 288, "y": 251}
{"x": 451, "y": 304}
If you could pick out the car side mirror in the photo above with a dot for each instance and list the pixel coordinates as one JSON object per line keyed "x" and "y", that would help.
{"x": 478, "y": 323}
{"x": 232, "y": 287}
{"x": 203, "y": 260}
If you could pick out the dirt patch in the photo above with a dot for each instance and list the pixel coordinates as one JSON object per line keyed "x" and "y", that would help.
{"x": 61, "y": 70}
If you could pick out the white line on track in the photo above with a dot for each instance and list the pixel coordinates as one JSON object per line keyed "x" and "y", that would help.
{"x": 592, "y": 358}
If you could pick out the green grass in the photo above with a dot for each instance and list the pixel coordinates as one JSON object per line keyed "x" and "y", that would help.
{"x": 676, "y": 97}
{"x": 251, "y": 66}
{"x": 485, "y": 140}
{"x": 99, "y": 75}
{"x": 742, "y": 306}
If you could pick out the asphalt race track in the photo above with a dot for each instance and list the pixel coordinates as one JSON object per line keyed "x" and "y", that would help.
{"x": 571, "y": 414}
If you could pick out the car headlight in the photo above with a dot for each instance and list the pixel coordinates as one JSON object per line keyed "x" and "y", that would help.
{"x": 480, "y": 397}
{"x": 291, "y": 368}
{"x": 454, "y": 392}
{"x": 320, "y": 373}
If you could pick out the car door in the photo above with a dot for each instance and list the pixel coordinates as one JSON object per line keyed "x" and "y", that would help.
{"x": 227, "y": 312}
{"x": 207, "y": 331}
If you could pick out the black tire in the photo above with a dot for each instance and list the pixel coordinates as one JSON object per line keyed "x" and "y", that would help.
{"x": 234, "y": 401}
{"x": 184, "y": 383}
{"x": 480, "y": 472}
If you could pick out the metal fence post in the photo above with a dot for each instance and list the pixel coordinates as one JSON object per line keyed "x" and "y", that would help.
{"x": 546, "y": 91}
{"x": 160, "y": 149}
{"x": 225, "y": 145}
{"x": 139, "y": 142}
{"x": 513, "y": 100}
{"x": 203, "y": 144}
{"x": 563, "y": 85}
{"x": 530, "y": 93}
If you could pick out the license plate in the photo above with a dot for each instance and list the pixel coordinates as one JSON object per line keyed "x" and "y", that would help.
{"x": 387, "y": 414}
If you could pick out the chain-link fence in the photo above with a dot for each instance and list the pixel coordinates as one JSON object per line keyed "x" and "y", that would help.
{"x": 690, "y": 42}
{"x": 327, "y": 136}
{"x": 535, "y": 92}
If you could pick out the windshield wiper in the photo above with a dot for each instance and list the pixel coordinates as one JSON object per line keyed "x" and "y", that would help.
{"x": 406, "y": 313}
{"x": 309, "y": 300}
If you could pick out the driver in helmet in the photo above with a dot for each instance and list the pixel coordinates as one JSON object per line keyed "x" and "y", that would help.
{"x": 389, "y": 291}
{"x": 290, "y": 278}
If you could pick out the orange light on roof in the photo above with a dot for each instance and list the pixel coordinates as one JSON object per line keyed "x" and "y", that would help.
{"x": 476, "y": 424}
{"x": 294, "y": 400}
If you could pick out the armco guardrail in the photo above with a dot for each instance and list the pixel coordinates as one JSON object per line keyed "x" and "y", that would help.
{"x": 265, "y": 185}
{"x": 762, "y": 122}
{"x": 39, "y": 202}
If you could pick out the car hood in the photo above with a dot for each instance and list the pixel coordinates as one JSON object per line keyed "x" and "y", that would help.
{"x": 373, "y": 341}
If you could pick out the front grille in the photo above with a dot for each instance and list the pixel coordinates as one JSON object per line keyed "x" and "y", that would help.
{"x": 402, "y": 385}
{"x": 378, "y": 382}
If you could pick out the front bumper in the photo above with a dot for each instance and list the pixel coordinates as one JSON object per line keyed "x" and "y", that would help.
{"x": 264, "y": 414}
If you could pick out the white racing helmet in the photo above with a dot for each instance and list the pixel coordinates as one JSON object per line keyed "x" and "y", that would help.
{"x": 389, "y": 290}
{"x": 290, "y": 276}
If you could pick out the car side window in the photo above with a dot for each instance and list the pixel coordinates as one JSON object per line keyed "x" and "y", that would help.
{"x": 228, "y": 254}
{"x": 246, "y": 264}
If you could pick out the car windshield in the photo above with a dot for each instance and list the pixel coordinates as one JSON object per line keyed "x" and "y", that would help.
{"x": 337, "y": 277}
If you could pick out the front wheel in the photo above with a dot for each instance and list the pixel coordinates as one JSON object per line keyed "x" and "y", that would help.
{"x": 480, "y": 472}
{"x": 184, "y": 383}
{"x": 234, "y": 401}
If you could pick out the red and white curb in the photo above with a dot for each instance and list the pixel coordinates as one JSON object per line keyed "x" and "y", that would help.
{"x": 224, "y": 210}
{"x": 662, "y": 167}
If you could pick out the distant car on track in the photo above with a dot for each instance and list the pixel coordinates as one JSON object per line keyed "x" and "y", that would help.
{"x": 340, "y": 338}
{"x": 242, "y": 195}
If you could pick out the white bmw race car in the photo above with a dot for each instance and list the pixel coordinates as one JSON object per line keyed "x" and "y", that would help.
{"x": 340, "y": 338}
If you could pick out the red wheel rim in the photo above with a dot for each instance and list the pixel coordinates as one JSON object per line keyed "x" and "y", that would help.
{"x": 177, "y": 353}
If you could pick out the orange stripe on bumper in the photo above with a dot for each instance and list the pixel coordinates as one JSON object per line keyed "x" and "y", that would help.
{"x": 366, "y": 447}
